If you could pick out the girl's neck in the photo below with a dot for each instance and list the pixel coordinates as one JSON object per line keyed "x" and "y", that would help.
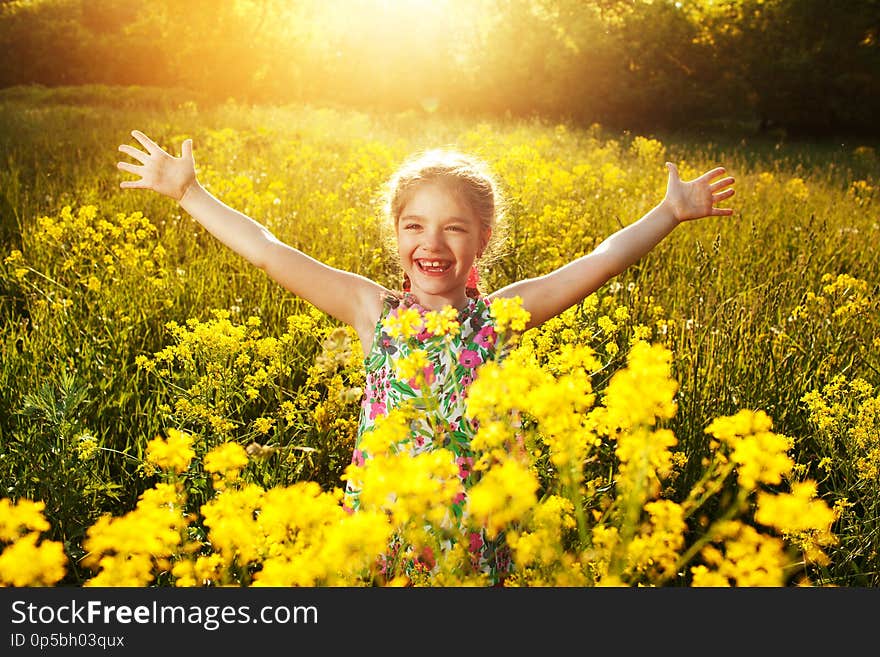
{"x": 438, "y": 302}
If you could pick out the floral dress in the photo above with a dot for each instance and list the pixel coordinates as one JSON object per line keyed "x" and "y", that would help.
{"x": 451, "y": 370}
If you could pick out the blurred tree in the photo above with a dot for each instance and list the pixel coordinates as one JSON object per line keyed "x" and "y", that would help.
{"x": 808, "y": 66}
{"x": 812, "y": 66}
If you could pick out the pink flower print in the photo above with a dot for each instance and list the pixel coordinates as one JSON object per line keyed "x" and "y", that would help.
{"x": 466, "y": 381}
{"x": 459, "y": 498}
{"x": 429, "y": 376}
{"x": 426, "y": 558}
{"x": 476, "y": 542}
{"x": 465, "y": 464}
{"x": 357, "y": 458}
{"x": 469, "y": 358}
{"x": 424, "y": 335}
{"x": 377, "y": 409}
{"x": 485, "y": 337}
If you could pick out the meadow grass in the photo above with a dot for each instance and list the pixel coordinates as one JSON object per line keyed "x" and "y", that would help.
{"x": 758, "y": 310}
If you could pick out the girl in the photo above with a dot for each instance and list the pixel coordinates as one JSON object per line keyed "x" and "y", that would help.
{"x": 444, "y": 207}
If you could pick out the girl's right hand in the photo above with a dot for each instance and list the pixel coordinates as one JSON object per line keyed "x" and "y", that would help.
{"x": 159, "y": 171}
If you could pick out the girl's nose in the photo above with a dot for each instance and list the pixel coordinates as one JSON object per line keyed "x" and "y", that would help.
{"x": 432, "y": 240}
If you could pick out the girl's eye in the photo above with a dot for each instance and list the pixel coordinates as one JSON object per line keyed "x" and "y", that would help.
{"x": 410, "y": 226}
{"x": 458, "y": 229}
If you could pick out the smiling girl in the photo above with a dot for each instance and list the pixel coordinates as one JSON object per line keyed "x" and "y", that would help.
{"x": 444, "y": 207}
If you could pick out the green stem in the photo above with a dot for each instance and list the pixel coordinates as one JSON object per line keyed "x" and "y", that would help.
{"x": 709, "y": 490}
{"x": 707, "y": 537}
{"x": 116, "y": 451}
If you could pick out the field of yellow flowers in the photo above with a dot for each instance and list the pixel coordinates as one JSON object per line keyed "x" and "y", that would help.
{"x": 170, "y": 417}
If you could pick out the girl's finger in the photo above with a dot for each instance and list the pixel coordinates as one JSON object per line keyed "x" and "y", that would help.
{"x": 715, "y": 186}
{"x": 725, "y": 212}
{"x": 187, "y": 149}
{"x": 713, "y": 173}
{"x": 133, "y": 184}
{"x": 131, "y": 168}
{"x": 135, "y": 153}
{"x": 727, "y": 193}
{"x": 146, "y": 142}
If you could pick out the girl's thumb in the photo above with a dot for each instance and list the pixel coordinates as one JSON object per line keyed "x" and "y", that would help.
{"x": 187, "y": 148}
{"x": 673, "y": 170}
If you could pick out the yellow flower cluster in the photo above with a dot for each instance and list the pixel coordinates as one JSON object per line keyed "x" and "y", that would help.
{"x": 642, "y": 392}
{"x": 131, "y": 549}
{"x": 562, "y": 532}
{"x": 25, "y": 559}
{"x": 413, "y": 365}
{"x": 846, "y": 415}
{"x": 442, "y": 322}
{"x": 648, "y": 151}
{"x": 504, "y": 494}
{"x": 173, "y": 453}
{"x": 862, "y": 192}
{"x": 225, "y": 462}
{"x": 333, "y": 390}
{"x": 801, "y": 516}
{"x": 101, "y": 251}
{"x": 217, "y": 364}
{"x": 761, "y": 456}
{"x": 509, "y": 314}
{"x": 741, "y": 556}
{"x": 797, "y": 189}
{"x": 406, "y": 323}
{"x": 539, "y": 560}
{"x": 842, "y": 297}
{"x": 86, "y": 446}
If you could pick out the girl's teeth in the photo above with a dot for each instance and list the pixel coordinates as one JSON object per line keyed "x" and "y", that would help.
{"x": 433, "y": 265}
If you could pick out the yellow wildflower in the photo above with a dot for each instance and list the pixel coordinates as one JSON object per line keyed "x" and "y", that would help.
{"x": 29, "y": 563}
{"x": 503, "y": 495}
{"x": 413, "y": 365}
{"x": 442, "y": 322}
{"x": 227, "y": 459}
{"x": 405, "y": 323}
{"x": 173, "y": 454}
{"x": 509, "y": 313}
{"x": 263, "y": 425}
{"x": 20, "y": 518}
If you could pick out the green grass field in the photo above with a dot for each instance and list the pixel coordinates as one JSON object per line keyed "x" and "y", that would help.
{"x": 773, "y": 309}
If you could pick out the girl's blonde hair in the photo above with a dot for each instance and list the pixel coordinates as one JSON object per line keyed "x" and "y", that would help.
{"x": 467, "y": 176}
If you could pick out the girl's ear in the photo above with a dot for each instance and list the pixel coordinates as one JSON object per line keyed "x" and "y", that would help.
{"x": 485, "y": 236}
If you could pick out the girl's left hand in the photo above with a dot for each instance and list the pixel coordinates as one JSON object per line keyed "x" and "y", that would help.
{"x": 694, "y": 199}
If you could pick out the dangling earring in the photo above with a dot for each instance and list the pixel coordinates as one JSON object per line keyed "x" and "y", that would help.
{"x": 470, "y": 288}
{"x": 406, "y": 282}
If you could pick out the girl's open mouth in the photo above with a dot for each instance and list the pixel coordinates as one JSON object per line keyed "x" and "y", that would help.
{"x": 433, "y": 266}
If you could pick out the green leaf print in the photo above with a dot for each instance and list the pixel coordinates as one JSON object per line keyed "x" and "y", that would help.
{"x": 403, "y": 388}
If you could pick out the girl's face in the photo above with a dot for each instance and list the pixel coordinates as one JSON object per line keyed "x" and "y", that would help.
{"x": 438, "y": 239}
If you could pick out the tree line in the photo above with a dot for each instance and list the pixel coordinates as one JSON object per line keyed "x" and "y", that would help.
{"x": 809, "y": 67}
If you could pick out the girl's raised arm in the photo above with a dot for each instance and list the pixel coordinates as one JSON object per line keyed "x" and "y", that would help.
{"x": 547, "y": 296}
{"x": 348, "y": 297}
